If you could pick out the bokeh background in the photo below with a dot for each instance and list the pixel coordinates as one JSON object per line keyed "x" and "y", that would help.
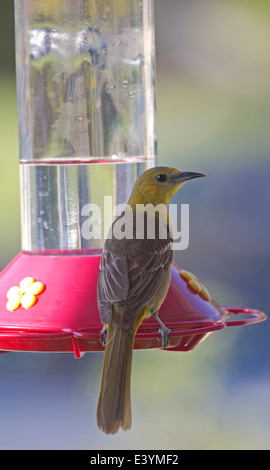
{"x": 213, "y": 113}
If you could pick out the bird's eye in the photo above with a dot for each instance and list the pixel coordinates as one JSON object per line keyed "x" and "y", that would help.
{"x": 161, "y": 178}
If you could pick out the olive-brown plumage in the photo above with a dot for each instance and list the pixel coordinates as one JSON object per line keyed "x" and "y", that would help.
{"x": 134, "y": 278}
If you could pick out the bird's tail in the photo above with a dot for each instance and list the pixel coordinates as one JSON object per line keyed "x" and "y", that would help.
{"x": 114, "y": 404}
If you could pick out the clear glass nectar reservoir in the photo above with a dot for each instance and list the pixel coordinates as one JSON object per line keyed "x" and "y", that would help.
{"x": 86, "y": 111}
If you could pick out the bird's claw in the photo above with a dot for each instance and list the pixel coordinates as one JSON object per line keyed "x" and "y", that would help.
{"x": 103, "y": 336}
{"x": 165, "y": 336}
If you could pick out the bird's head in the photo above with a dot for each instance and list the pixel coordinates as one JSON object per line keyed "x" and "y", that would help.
{"x": 158, "y": 185}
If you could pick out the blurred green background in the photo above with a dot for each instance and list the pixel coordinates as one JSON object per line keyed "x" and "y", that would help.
{"x": 213, "y": 114}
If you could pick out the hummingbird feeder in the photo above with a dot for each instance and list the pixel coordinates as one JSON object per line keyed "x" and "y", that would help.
{"x": 86, "y": 115}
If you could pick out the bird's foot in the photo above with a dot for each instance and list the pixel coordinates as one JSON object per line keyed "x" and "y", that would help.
{"x": 164, "y": 331}
{"x": 165, "y": 336}
{"x": 103, "y": 336}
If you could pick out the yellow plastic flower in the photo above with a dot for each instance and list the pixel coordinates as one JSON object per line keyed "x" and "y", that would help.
{"x": 25, "y": 294}
{"x": 195, "y": 285}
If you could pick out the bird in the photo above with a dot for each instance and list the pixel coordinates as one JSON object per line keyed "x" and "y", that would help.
{"x": 133, "y": 281}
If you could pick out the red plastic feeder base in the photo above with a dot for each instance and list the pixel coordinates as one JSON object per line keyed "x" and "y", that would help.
{"x": 65, "y": 318}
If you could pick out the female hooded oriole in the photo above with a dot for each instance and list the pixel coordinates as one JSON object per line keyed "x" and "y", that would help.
{"x": 134, "y": 278}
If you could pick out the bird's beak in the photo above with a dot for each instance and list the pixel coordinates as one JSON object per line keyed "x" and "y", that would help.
{"x": 185, "y": 176}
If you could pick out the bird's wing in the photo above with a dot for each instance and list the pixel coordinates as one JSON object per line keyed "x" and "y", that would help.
{"x": 147, "y": 274}
{"x": 113, "y": 282}
{"x": 132, "y": 281}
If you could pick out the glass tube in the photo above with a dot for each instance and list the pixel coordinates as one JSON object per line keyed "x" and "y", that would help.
{"x": 86, "y": 114}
